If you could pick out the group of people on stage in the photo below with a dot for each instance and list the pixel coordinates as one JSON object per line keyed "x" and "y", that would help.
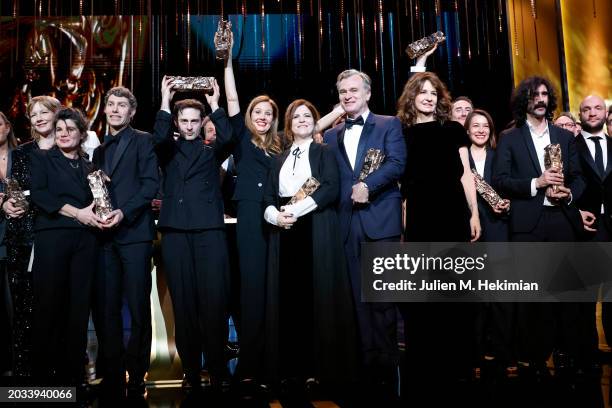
{"x": 301, "y": 321}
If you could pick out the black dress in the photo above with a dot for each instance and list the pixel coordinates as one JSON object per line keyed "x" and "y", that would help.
{"x": 19, "y": 238}
{"x": 436, "y": 207}
{"x": 440, "y": 346}
{"x": 310, "y": 325}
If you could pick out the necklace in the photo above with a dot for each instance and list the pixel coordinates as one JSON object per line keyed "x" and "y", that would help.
{"x": 74, "y": 166}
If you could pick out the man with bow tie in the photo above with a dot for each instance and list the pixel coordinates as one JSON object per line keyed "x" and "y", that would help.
{"x": 369, "y": 211}
{"x": 127, "y": 157}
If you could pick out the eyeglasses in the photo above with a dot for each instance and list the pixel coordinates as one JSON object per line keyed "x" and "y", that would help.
{"x": 568, "y": 125}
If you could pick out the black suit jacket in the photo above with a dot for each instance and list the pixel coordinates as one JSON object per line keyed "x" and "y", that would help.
{"x": 494, "y": 226}
{"x": 598, "y": 190}
{"x": 134, "y": 183}
{"x": 54, "y": 183}
{"x": 192, "y": 195}
{"x": 516, "y": 164}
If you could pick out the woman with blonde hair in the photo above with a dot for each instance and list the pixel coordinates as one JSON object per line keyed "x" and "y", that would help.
{"x": 20, "y": 232}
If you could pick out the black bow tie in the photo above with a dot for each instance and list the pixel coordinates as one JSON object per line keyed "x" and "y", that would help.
{"x": 348, "y": 123}
{"x": 109, "y": 139}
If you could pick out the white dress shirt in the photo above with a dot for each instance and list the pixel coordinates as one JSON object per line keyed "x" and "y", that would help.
{"x": 480, "y": 165}
{"x": 351, "y": 139}
{"x": 294, "y": 172}
{"x": 540, "y": 141}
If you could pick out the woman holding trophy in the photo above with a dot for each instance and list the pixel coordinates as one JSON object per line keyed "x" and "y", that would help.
{"x": 64, "y": 244}
{"x": 256, "y": 144}
{"x": 310, "y": 331}
{"x": 20, "y": 228}
{"x": 441, "y": 206}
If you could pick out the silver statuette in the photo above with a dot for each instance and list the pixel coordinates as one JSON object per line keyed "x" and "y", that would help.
{"x": 420, "y": 47}
{"x": 97, "y": 184}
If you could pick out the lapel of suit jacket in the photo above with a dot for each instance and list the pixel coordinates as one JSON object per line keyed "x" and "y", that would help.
{"x": 531, "y": 148}
{"x": 583, "y": 150}
{"x": 342, "y": 148}
{"x": 488, "y": 167}
{"x": 125, "y": 140}
{"x": 63, "y": 163}
{"x": 191, "y": 161}
{"x": 368, "y": 127}
{"x": 608, "y": 164}
{"x": 314, "y": 157}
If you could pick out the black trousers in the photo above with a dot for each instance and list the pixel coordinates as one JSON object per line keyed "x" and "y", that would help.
{"x": 377, "y": 321}
{"x": 542, "y": 327}
{"x": 124, "y": 271}
{"x": 252, "y": 253}
{"x": 63, "y": 271}
{"x": 5, "y": 320}
{"x": 197, "y": 272}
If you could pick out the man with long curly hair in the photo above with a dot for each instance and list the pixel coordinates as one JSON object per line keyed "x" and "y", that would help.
{"x": 543, "y": 209}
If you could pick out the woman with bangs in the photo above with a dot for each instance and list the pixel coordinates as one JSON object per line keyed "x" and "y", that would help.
{"x": 495, "y": 329}
{"x": 20, "y": 228}
{"x": 257, "y": 143}
{"x": 310, "y": 330}
{"x": 441, "y": 206}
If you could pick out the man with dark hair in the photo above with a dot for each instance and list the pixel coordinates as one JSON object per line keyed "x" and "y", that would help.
{"x": 127, "y": 157}
{"x": 462, "y": 106}
{"x": 539, "y": 212}
{"x": 193, "y": 243}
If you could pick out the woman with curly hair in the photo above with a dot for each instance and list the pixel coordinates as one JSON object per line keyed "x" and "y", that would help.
{"x": 441, "y": 205}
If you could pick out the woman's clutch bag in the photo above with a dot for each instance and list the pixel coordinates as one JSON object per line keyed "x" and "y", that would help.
{"x": 487, "y": 192}
{"x": 14, "y": 191}
{"x": 97, "y": 184}
{"x": 309, "y": 187}
{"x": 372, "y": 161}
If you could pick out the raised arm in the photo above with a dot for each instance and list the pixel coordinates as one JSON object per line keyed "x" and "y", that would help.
{"x": 231, "y": 94}
{"x": 329, "y": 119}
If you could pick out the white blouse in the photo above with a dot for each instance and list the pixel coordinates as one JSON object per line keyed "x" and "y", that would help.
{"x": 294, "y": 172}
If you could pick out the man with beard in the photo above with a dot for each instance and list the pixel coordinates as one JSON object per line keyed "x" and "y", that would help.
{"x": 539, "y": 212}
{"x": 127, "y": 157}
{"x": 595, "y": 205}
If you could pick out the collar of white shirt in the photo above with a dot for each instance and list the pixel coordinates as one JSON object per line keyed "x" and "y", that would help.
{"x": 586, "y": 134}
{"x": 303, "y": 146}
{"x": 364, "y": 115}
{"x": 533, "y": 130}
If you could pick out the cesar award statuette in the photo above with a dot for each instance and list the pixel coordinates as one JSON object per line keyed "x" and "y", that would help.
{"x": 14, "y": 191}
{"x": 371, "y": 162}
{"x": 420, "y": 47}
{"x": 102, "y": 202}
{"x": 487, "y": 192}
{"x": 309, "y": 187}
{"x": 199, "y": 83}
{"x": 222, "y": 39}
{"x": 553, "y": 159}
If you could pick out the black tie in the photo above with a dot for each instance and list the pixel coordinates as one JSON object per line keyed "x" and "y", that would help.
{"x": 598, "y": 155}
{"x": 348, "y": 123}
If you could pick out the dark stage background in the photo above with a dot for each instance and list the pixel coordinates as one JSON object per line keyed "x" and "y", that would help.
{"x": 76, "y": 50}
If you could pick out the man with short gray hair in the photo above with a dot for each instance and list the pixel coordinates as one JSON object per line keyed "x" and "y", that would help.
{"x": 369, "y": 210}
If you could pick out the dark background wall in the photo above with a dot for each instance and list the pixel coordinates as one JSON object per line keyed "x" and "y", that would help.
{"x": 76, "y": 50}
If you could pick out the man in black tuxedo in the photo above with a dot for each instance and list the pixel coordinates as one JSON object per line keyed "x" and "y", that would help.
{"x": 539, "y": 213}
{"x": 595, "y": 150}
{"x": 127, "y": 157}
{"x": 194, "y": 245}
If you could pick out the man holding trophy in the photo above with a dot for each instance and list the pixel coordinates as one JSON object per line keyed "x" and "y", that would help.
{"x": 369, "y": 210}
{"x": 193, "y": 243}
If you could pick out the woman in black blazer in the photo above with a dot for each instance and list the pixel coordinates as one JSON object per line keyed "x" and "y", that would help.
{"x": 256, "y": 144}
{"x": 65, "y": 250}
{"x": 310, "y": 329}
{"x": 494, "y": 333}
